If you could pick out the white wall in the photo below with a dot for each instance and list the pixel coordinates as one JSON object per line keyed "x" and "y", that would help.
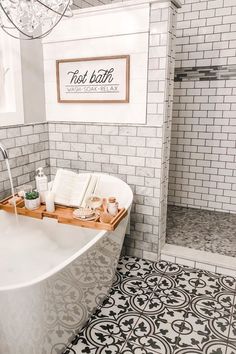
{"x": 21, "y": 81}
{"x": 33, "y": 81}
{"x": 11, "y": 105}
{"x": 114, "y": 30}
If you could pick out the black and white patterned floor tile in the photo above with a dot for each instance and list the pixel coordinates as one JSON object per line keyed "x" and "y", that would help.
{"x": 162, "y": 308}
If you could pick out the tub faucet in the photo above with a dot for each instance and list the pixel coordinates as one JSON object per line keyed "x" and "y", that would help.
{"x": 4, "y": 152}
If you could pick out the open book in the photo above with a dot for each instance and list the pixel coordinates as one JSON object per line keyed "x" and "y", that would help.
{"x": 73, "y": 189}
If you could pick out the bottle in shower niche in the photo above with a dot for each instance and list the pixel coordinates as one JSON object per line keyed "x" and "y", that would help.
{"x": 41, "y": 184}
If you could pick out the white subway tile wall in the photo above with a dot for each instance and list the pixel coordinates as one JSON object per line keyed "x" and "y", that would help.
{"x": 206, "y": 33}
{"x": 203, "y": 145}
{"x": 28, "y": 149}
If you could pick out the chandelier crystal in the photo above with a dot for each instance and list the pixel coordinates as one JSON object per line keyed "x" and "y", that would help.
{"x": 32, "y": 19}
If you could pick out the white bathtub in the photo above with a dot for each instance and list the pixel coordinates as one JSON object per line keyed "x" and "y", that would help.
{"x": 52, "y": 280}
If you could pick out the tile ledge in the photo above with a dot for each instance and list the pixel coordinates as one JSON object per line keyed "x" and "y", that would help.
{"x": 214, "y": 259}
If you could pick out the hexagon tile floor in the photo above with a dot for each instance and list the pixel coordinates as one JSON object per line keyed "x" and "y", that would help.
{"x": 162, "y": 308}
{"x": 203, "y": 230}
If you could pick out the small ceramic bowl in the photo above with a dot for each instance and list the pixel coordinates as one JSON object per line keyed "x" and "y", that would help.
{"x": 83, "y": 213}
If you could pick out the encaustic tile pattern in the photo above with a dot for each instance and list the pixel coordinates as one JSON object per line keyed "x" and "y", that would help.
{"x": 162, "y": 308}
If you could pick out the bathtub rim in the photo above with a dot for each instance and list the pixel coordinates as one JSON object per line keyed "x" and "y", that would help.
{"x": 69, "y": 260}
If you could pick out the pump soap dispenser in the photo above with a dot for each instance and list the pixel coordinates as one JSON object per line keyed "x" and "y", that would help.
{"x": 41, "y": 183}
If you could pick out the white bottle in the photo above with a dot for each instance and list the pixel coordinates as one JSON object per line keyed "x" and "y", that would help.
{"x": 41, "y": 183}
{"x": 50, "y": 205}
{"x": 112, "y": 206}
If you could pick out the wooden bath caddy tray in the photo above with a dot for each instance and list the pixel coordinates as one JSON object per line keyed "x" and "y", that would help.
{"x": 63, "y": 214}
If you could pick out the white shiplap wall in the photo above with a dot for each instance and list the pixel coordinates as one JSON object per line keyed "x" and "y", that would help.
{"x": 108, "y": 36}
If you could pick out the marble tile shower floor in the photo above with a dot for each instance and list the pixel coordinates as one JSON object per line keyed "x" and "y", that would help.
{"x": 162, "y": 308}
{"x": 203, "y": 230}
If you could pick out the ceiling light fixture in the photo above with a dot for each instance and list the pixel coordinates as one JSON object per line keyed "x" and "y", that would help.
{"x": 32, "y": 19}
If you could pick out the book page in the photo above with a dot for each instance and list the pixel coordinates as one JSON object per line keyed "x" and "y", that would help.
{"x": 69, "y": 187}
{"x": 90, "y": 189}
{"x": 80, "y": 188}
{"x": 96, "y": 187}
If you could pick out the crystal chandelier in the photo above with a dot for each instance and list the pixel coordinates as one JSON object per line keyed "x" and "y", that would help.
{"x": 32, "y": 19}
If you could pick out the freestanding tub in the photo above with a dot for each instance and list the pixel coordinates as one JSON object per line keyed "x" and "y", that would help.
{"x": 53, "y": 276}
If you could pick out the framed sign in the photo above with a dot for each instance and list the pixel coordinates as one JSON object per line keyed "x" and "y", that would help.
{"x": 93, "y": 80}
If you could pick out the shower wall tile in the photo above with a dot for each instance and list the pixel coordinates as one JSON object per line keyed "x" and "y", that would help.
{"x": 206, "y": 33}
{"x": 167, "y": 124}
{"x": 28, "y": 148}
{"x": 203, "y": 150}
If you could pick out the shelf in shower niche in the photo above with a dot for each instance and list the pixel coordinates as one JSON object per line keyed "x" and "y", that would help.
{"x": 64, "y": 215}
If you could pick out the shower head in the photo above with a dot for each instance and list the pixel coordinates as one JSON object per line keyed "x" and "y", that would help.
{"x": 4, "y": 152}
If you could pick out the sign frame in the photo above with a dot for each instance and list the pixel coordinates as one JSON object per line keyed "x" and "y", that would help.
{"x": 126, "y": 79}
